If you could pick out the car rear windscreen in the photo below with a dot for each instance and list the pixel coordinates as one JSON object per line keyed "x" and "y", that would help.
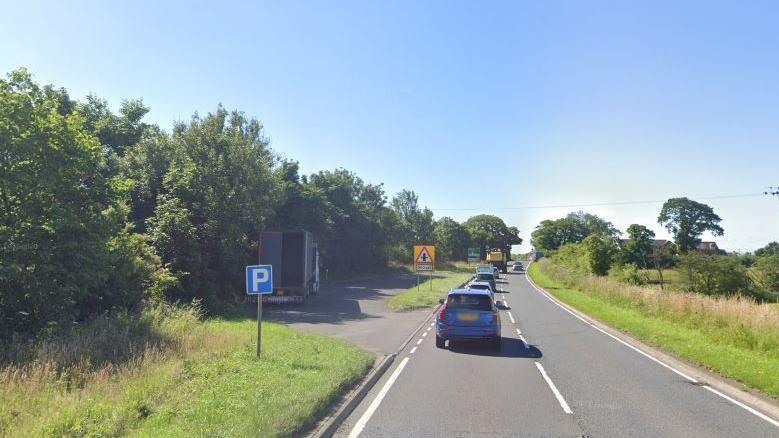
{"x": 486, "y": 277}
{"x": 479, "y": 286}
{"x": 469, "y": 302}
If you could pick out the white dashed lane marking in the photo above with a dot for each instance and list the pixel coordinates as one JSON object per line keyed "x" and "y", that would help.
{"x": 558, "y": 396}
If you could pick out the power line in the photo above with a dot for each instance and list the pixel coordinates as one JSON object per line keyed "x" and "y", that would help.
{"x": 602, "y": 204}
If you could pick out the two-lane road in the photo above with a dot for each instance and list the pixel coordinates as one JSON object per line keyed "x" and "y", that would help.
{"x": 554, "y": 375}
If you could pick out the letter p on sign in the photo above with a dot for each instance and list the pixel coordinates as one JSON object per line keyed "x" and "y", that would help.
{"x": 259, "y": 279}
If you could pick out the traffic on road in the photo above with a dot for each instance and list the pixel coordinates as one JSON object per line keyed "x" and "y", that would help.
{"x": 522, "y": 365}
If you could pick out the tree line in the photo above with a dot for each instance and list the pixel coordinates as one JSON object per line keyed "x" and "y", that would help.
{"x": 589, "y": 244}
{"x": 102, "y": 210}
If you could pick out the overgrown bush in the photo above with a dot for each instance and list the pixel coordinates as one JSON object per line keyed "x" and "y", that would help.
{"x": 628, "y": 273}
{"x": 715, "y": 275}
{"x": 573, "y": 257}
{"x": 599, "y": 251}
{"x": 766, "y": 276}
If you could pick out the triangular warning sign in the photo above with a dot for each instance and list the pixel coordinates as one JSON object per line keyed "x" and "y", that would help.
{"x": 424, "y": 256}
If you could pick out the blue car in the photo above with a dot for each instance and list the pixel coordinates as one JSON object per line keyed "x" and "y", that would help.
{"x": 468, "y": 315}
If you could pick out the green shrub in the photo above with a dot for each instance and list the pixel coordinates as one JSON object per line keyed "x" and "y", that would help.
{"x": 599, "y": 253}
{"x": 629, "y": 273}
{"x": 716, "y": 275}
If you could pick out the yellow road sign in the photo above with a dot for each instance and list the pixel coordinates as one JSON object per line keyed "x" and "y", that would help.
{"x": 424, "y": 258}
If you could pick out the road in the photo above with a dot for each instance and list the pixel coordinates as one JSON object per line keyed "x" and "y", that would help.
{"x": 355, "y": 311}
{"x": 569, "y": 380}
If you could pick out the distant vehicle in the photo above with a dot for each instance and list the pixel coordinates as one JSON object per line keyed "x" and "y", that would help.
{"x": 517, "y": 267}
{"x": 488, "y": 277}
{"x": 497, "y": 258}
{"x": 468, "y": 315}
{"x": 482, "y": 285}
{"x": 295, "y": 260}
{"x": 484, "y": 268}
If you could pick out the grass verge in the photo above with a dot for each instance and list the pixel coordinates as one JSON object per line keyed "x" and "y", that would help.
{"x": 190, "y": 377}
{"x": 702, "y": 330}
{"x": 424, "y": 295}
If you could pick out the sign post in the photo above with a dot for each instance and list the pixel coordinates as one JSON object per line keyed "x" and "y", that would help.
{"x": 424, "y": 260}
{"x": 259, "y": 282}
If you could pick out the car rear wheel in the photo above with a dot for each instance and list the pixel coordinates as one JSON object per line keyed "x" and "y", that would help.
{"x": 440, "y": 342}
{"x": 496, "y": 343}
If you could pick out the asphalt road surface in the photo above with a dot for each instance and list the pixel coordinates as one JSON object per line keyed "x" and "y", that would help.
{"x": 569, "y": 380}
{"x": 356, "y": 312}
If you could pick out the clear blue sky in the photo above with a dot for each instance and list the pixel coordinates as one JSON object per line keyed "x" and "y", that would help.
{"x": 481, "y": 105}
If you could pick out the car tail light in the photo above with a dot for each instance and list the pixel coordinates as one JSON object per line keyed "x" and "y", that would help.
{"x": 441, "y": 312}
{"x": 494, "y": 316}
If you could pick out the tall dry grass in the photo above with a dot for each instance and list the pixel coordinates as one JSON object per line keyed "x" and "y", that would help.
{"x": 739, "y": 320}
{"x": 111, "y": 367}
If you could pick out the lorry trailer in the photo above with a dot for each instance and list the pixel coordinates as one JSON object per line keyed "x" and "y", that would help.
{"x": 295, "y": 259}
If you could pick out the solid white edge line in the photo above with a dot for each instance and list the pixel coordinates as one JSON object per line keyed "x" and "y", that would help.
{"x": 637, "y": 350}
{"x": 413, "y": 350}
{"x": 742, "y": 405}
{"x": 654, "y": 359}
{"x": 419, "y": 341}
{"x": 558, "y": 396}
{"x": 511, "y": 317}
{"x": 360, "y": 425}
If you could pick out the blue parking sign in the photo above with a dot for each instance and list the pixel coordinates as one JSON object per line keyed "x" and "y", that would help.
{"x": 259, "y": 279}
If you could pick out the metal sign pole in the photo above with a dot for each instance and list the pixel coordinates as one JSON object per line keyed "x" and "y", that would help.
{"x": 259, "y": 281}
{"x": 431, "y": 279}
{"x": 259, "y": 324}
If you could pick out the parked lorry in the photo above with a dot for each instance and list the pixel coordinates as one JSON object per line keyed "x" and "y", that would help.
{"x": 499, "y": 259}
{"x": 295, "y": 260}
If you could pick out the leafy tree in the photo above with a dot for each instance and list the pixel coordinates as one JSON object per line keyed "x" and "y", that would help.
{"x": 599, "y": 252}
{"x": 115, "y": 132}
{"x": 304, "y": 206}
{"x": 767, "y": 273}
{"x": 573, "y": 228}
{"x": 418, "y": 222}
{"x": 663, "y": 257}
{"x": 771, "y": 249}
{"x": 145, "y": 165}
{"x": 687, "y": 220}
{"x": 64, "y": 241}
{"x": 362, "y": 225}
{"x": 217, "y": 195}
{"x": 490, "y": 231}
{"x": 451, "y": 239}
{"x": 715, "y": 275}
{"x": 638, "y": 248}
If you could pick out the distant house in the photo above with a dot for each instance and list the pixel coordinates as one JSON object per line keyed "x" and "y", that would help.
{"x": 709, "y": 248}
{"x": 661, "y": 244}
{"x": 656, "y": 243}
